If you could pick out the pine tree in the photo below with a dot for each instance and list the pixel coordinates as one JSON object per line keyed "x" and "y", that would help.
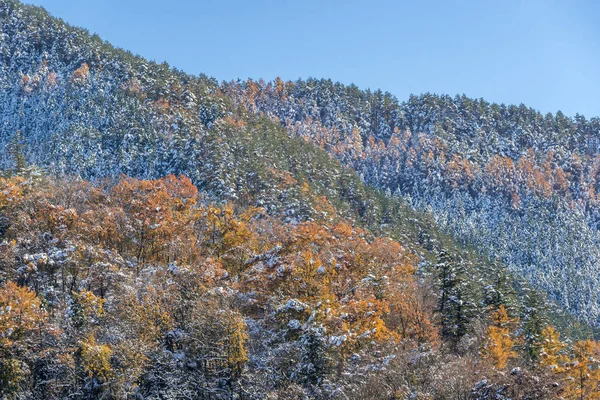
{"x": 457, "y": 302}
{"x": 501, "y": 290}
{"x": 534, "y": 322}
{"x": 17, "y": 151}
{"x": 315, "y": 360}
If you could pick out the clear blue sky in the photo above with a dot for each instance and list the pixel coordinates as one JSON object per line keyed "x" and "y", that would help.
{"x": 543, "y": 53}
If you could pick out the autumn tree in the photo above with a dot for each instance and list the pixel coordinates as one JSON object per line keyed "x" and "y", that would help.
{"x": 156, "y": 213}
{"x": 22, "y": 322}
{"x": 552, "y": 350}
{"x": 94, "y": 358}
{"x": 583, "y": 373}
{"x": 498, "y": 345}
{"x": 81, "y": 73}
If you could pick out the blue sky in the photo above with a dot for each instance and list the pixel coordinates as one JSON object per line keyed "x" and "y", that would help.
{"x": 543, "y": 53}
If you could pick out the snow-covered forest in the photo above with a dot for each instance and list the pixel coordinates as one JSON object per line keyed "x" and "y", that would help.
{"x": 167, "y": 236}
{"x": 517, "y": 185}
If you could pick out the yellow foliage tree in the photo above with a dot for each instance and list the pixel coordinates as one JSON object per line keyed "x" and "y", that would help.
{"x": 499, "y": 343}
{"x": 10, "y": 191}
{"x": 86, "y": 307}
{"x": 20, "y": 314}
{"x": 237, "y": 355}
{"x": 95, "y": 358}
{"x": 154, "y": 215}
{"x": 551, "y": 350}
{"x": 147, "y": 319}
{"x": 21, "y": 317}
{"x": 583, "y": 374}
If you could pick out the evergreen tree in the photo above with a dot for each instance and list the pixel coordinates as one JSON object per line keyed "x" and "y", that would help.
{"x": 457, "y": 303}
{"x": 315, "y": 362}
{"x": 17, "y": 151}
{"x": 534, "y": 321}
{"x": 500, "y": 290}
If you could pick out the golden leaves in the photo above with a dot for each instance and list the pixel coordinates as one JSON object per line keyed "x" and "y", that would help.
{"x": 95, "y": 358}
{"x": 498, "y": 346}
{"x": 20, "y": 314}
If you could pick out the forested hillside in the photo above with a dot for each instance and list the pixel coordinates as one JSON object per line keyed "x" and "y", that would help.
{"x": 315, "y": 241}
{"x": 144, "y": 289}
{"x": 519, "y": 186}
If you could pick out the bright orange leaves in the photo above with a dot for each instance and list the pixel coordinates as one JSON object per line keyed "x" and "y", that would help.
{"x": 361, "y": 287}
{"x": 143, "y": 259}
{"x": 148, "y": 218}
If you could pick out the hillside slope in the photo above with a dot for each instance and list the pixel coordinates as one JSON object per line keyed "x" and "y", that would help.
{"x": 518, "y": 186}
{"x": 239, "y": 247}
{"x": 75, "y": 105}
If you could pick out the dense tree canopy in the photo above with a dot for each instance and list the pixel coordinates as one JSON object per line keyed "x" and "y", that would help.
{"x": 143, "y": 288}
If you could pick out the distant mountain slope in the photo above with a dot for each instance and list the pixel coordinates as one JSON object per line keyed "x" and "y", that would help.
{"x": 517, "y": 185}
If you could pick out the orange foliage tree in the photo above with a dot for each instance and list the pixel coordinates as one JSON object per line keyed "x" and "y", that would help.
{"x": 22, "y": 322}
